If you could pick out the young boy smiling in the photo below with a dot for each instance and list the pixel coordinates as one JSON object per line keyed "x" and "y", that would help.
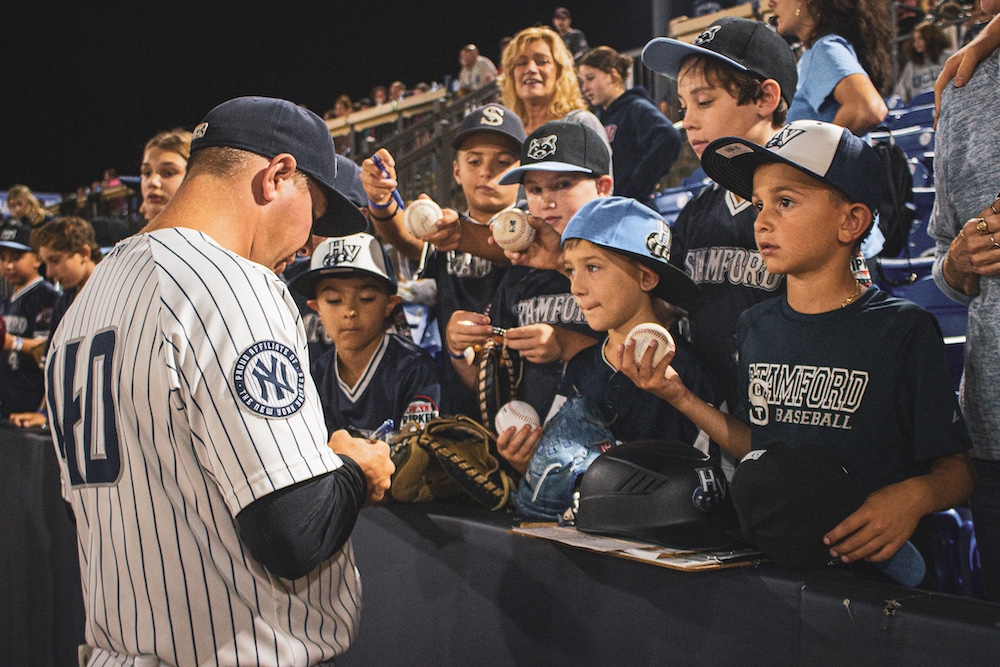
{"x": 833, "y": 365}
{"x": 370, "y": 375}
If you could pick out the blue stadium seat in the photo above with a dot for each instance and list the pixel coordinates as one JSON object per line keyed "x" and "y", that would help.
{"x": 696, "y": 181}
{"x": 922, "y": 98}
{"x": 913, "y": 116}
{"x": 670, "y": 202}
{"x": 915, "y": 141}
{"x": 922, "y": 176}
{"x": 894, "y": 102}
{"x": 923, "y": 202}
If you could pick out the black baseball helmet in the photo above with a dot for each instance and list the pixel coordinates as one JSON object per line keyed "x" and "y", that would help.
{"x": 659, "y": 491}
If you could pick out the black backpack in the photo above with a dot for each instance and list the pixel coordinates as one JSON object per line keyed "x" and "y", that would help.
{"x": 897, "y": 211}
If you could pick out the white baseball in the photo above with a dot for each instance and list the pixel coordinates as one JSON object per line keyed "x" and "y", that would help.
{"x": 421, "y": 216}
{"x": 511, "y": 230}
{"x": 646, "y": 333}
{"x": 517, "y": 414}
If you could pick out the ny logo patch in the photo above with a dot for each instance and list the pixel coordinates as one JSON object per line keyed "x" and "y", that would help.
{"x": 783, "y": 136}
{"x": 708, "y": 35}
{"x": 341, "y": 253}
{"x": 492, "y": 116}
{"x": 658, "y": 243}
{"x": 542, "y": 147}
{"x": 269, "y": 381}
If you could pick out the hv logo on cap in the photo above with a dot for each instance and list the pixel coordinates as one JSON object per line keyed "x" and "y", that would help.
{"x": 658, "y": 242}
{"x": 542, "y": 147}
{"x": 340, "y": 252}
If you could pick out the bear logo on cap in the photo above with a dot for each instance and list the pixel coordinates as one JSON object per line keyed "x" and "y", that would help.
{"x": 542, "y": 147}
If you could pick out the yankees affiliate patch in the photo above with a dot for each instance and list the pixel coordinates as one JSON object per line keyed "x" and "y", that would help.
{"x": 269, "y": 380}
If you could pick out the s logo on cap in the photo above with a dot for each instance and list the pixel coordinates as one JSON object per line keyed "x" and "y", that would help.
{"x": 708, "y": 35}
{"x": 492, "y": 116}
{"x": 542, "y": 147}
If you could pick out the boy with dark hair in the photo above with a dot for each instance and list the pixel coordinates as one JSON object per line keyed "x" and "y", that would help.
{"x": 736, "y": 79}
{"x": 27, "y": 313}
{"x": 487, "y": 144}
{"x": 884, "y": 408}
{"x": 369, "y": 375}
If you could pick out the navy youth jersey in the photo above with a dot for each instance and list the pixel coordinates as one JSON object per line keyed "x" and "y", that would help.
{"x": 538, "y": 296}
{"x": 713, "y": 242}
{"x": 464, "y": 282}
{"x": 632, "y": 413}
{"x": 401, "y": 382}
{"x": 884, "y": 408}
{"x": 318, "y": 339}
{"x": 27, "y": 314}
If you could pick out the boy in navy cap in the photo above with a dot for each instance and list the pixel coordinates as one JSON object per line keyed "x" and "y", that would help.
{"x": 487, "y": 144}
{"x": 884, "y": 408}
{"x": 615, "y": 252}
{"x": 27, "y": 313}
{"x": 736, "y": 79}
{"x": 370, "y": 375}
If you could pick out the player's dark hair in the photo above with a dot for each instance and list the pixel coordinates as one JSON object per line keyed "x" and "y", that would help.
{"x": 744, "y": 86}
{"x": 609, "y": 61}
{"x": 866, "y": 25}
{"x": 220, "y": 161}
{"x": 936, "y": 42}
{"x": 67, "y": 234}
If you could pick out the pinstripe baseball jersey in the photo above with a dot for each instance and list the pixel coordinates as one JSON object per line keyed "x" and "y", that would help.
{"x": 180, "y": 393}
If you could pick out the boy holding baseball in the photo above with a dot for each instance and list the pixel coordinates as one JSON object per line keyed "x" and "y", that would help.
{"x": 615, "y": 253}
{"x": 369, "y": 375}
{"x": 487, "y": 144}
{"x": 882, "y": 405}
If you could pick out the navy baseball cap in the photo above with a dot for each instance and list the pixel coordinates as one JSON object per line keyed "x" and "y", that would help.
{"x": 750, "y": 46}
{"x": 563, "y": 146}
{"x": 357, "y": 254}
{"x": 788, "y": 498}
{"x": 623, "y": 225}
{"x": 491, "y": 118}
{"x": 269, "y": 127}
{"x": 827, "y": 152}
{"x": 348, "y": 181}
{"x": 16, "y": 236}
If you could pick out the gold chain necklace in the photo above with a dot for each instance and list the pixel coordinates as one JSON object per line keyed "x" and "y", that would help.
{"x": 857, "y": 292}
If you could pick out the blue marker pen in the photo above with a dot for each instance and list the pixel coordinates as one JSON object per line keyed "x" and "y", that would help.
{"x": 395, "y": 193}
{"x": 386, "y": 426}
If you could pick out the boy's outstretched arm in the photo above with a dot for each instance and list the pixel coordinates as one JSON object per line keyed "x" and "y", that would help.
{"x": 889, "y": 516}
{"x": 662, "y": 380}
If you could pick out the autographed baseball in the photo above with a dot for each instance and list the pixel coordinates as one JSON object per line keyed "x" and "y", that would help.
{"x": 421, "y": 216}
{"x": 511, "y": 230}
{"x": 517, "y": 414}
{"x": 644, "y": 334}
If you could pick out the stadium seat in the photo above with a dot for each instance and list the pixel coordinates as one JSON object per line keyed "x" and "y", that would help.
{"x": 922, "y": 98}
{"x": 670, "y": 202}
{"x": 922, "y": 176}
{"x": 913, "y": 116}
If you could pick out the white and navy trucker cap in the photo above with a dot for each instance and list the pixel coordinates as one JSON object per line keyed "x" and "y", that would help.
{"x": 827, "y": 152}
{"x": 357, "y": 254}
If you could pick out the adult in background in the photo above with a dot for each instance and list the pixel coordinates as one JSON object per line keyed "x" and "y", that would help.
{"x": 965, "y": 226}
{"x": 926, "y": 50}
{"x": 539, "y": 83}
{"x": 644, "y": 142}
{"x": 572, "y": 38}
{"x": 25, "y": 208}
{"x": 477, "y": 70}
{"x": 164, "y": 163}
{"x": 212, "y": 512}
{"x": 845, "y": 63}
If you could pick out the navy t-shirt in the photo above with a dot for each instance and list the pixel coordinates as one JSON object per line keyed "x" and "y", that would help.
{"x": 538, "y": 296}
{"x": 28, "y": 314}
{"x": 632, "y": 413}
{"x": 713, "y": 242}
{"x": 869, "y": 382}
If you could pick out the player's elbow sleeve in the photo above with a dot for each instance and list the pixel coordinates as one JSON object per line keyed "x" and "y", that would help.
{"x": 292, "y": 530}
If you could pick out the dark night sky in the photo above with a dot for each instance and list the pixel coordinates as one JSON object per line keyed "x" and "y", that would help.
{"x": 84, "y": 85}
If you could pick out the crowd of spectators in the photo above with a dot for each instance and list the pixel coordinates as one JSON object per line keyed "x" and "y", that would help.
{"x": 569, "y": 116}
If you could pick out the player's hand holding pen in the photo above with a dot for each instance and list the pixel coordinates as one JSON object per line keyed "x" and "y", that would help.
{"x": 378, "y": 177}
{"x": 372, "y": 456}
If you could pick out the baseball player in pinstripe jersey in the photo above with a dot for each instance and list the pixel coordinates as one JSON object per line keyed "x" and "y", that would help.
{"x": 213, "y": 517}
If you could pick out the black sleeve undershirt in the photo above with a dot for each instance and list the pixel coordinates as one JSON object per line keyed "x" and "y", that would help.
{"x": 294, "y": 529}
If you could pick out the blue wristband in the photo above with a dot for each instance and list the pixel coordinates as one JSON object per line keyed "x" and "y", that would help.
{"x": 452, "y": 354}
{"x": 372, "y": 204}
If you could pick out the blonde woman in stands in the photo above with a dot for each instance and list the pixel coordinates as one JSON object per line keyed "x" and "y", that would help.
{"x": 164, "y": 163}
{"x": 845, "y": 63}
{"x": 539, "y": 82}
{"x": 25, "y": 207}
